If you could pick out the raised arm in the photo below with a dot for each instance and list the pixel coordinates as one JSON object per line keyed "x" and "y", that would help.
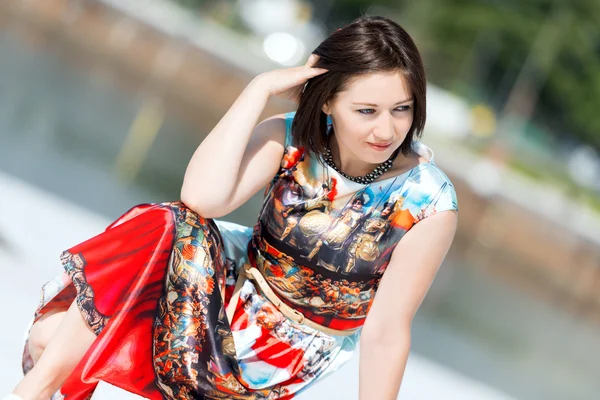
{"x": 238, "y": 158}
{"x": 235, "y": 148}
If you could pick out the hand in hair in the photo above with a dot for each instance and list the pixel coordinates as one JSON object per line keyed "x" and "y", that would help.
{"x": 288, "y": 83}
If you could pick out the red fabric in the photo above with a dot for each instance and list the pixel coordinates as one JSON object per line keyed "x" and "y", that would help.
{"x": 125, "y": 266}
{"x": 281, "y": 354}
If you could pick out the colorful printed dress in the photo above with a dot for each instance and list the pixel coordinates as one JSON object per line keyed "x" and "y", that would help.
{"x": 154, "y": 285}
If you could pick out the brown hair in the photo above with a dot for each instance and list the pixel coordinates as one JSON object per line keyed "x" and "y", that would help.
{"x": 368, "y": 44}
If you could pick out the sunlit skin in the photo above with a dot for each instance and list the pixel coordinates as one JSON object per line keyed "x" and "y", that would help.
{"x": 371, "y": 119}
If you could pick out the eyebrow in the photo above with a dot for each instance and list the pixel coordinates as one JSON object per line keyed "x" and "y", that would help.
{"x": 375, "y": 105}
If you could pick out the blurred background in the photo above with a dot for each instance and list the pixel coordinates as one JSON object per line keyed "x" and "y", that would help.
{"x": 102, "y": 103}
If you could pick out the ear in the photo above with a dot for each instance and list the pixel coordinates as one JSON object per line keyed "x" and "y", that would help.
{"x": 326, "y": 108}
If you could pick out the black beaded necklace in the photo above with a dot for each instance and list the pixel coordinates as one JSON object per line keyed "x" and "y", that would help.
{"x": 368, "y": 178}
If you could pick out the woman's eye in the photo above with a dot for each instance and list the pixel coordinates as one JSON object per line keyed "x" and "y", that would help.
{"x": 366, "y": 111}
{"x": 369, "y": 111}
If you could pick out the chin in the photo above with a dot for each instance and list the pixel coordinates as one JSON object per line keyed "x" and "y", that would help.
{"x": 378, "y": 157}
{"x": 375, "y": 159}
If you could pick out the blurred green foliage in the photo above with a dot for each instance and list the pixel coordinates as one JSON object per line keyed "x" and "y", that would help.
{"x": 480, "y": 48}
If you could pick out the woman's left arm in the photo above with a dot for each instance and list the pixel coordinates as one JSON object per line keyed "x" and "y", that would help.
{"x": 385, "y": 339}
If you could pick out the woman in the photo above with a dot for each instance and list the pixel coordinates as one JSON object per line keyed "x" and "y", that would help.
{"x": 170, "y": 303}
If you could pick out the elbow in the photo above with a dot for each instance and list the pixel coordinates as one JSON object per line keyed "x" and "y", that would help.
{"x": 389, "y": 334}
{"x": 203, "y": 208}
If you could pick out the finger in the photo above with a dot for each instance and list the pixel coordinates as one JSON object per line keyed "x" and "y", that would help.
{"x": 305, "y": 73}
{"x": 316, "y": 71}
{"x": 312, "y": 60}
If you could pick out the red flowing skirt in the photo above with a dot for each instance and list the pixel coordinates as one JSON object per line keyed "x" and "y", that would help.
{"x": 153, "y": 287}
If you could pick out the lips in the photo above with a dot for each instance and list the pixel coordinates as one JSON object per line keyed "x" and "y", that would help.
{"x": 380, "y": 146}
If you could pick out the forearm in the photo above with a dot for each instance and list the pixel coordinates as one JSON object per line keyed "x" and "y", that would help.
{"x": 215, "y": 165}
{"x": 382, "y": 364}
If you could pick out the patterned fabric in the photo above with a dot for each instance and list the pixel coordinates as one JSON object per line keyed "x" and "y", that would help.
{"x": 323, "y": 242}
{"x": 154, "y": 285}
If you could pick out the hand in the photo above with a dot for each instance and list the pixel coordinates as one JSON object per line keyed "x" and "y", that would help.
{"x": 288, "y": 83}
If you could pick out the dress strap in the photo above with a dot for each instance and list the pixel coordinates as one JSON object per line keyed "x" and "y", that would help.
{"x": 289, "y": 118}
{"x": 424, "y": 151}
{"x": 292, "y": 156}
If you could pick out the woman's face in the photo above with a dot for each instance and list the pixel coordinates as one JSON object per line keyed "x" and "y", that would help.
{"x": 372, "y": 116}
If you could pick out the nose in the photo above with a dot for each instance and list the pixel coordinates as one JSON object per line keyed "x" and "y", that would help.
{"x": 384, "y": 129}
